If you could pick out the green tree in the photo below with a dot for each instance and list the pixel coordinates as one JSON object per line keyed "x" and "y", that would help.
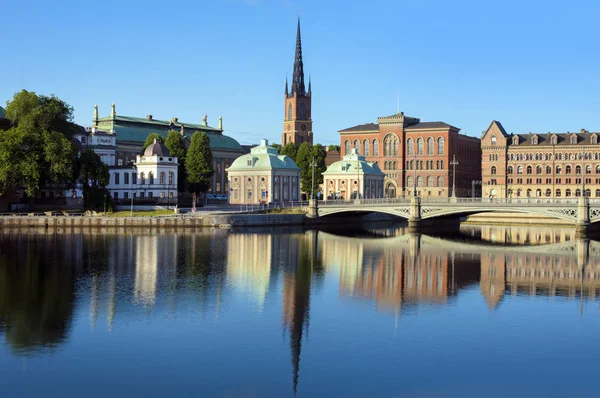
{"x": 304, "y": 159}
{"x": 199, "y": 163}
{"x": 176, "y": 147}
{"x": 290, "y": 149}
{"x": 334, "y": 148}
{"x": 37, "y": 151}
{"x": 276, "y": 146}
{"x": 150, "y": 140}
{"x": 93, "y": 176}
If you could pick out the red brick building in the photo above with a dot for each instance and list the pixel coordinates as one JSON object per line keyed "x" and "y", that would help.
{"x": 411, "y": 152}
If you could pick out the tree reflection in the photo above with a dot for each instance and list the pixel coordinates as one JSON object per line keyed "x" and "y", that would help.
{"x": 36, "y": 293}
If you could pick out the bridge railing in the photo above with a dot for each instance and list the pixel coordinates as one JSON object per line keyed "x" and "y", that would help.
{"x": 509, "y": 202}
{"x": 380, "y": 201}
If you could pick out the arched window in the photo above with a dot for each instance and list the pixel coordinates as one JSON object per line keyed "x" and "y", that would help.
{"x": 493, "y": 170}
{"x": 548, "y": 169}
{"x": 395, "y": 165}
{"x": 409, "y": 181}
{"x": 577, "y": 169}
{"x": 573, "y": 139}
{"x": 519, "y": 169}
{"x": 568, "y": 170}
{"x": 509, "y": 170}
{"x": 558, "y": 169}
{"x": 557, "y": 193}
{"x": 529, "y": 169}
{"x": 430, "y": 180}
{"x": 440, "y": 145}
{"x": 289, "y": 112}
{"x": 554, "y": 141}
{"x": 548, "y": 192}
{"x": 303, "y": 112}
{"x": 588, "y": 193}
{"x": 170, "y": 178}
{"x": 411, "y": 146}
{"x": 538, "y": 193}
{"x": 538, "y": 170}
{"x": 151, "y": 178}
{"x": 357, "y": 146}
{"x": 419, "y": 146}
{"x": 420, "y": 181}
{"x": 493, "y": 140}
{"x": 390, "y": 145}
{"x": 430, "y": 146}
{"x": 567, "y": 192}
{"x": 578, "y": 192}
{"x": 346, "y": 147}
{"x": 598, "y": 169}
{"x": 598, "y": 193}
{"x": 142, "y": 179}
{"x": 375, "y": 148}
{"x": 161, "y": 178}
{"x": 366, "y": 147}
{"x": 440, "y": 181}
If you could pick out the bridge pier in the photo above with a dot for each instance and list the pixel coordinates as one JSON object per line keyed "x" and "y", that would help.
{"x": 313, "y": 208}
{"x": 414, "y": 219}
{"x": 583, "y": 217}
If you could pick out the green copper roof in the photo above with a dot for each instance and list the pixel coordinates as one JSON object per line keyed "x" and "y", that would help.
{"x": 263, "y": 157}
{"x": 137, "y": 129}
{"x": 348, "y": 165}
{"x": 2, "y": 113}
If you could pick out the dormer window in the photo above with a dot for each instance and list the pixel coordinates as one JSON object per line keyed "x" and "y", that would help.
{"x": 554, "y": 140}
{"x": 516, "y": 140}
{"x": 534, "y": 140}
{"x": 249, "y": 163}
{"x": 593, "y": 139}
{"x": 573, "y": 139}
{"x": 343, "y": 167}
{"x": 493, "y": 140}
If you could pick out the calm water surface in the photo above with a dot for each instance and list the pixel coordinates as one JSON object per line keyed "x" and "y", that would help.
{"x": 282, "y": 312}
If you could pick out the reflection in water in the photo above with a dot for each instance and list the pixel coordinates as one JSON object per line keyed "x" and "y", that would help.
{"x": 47, "y": 279}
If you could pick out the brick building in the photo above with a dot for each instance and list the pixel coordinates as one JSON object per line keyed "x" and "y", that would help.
{"x": 548, "y": 165}
{"x": 297, "y": 119}
{"x": 409, "y": 151}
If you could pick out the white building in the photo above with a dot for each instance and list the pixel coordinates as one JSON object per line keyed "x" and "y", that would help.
{"x": 353, "y": 177}
{"x": 263, "y": 176}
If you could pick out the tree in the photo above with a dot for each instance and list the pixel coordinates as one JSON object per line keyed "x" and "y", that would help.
{"x": 304, "y": 159}
{"x": 150, "y": 140}
{"x": 93, "y": 176}
{"x": 276, "y": 146}
{"x": 37, "y": 151}
{"x": 176, "y": 147}
{"x": 199, "y": 163}
{"x": 334, "y": 148}
{"x": 290, "y": 149}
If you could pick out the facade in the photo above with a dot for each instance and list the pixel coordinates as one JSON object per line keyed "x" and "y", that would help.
{"x": 263, "y": 176}
{"x": 417, "y": 155}
{"x": 297, "y": 120}
{"x": 548, "y": 165}
{"x": 353, "y": 177}
{"x": 131, "y": 133}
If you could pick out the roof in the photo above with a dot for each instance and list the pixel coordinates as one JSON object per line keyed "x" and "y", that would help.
{"x": 361, "y": 127}
{"x": 499, "y": 126}
{"x": 263, "y": 157}
{"x": 354, "y": 164}
{"x": 431, "y": 125}
{"x": 2, "y": 113}
{"x": 563, "y": 139}
{"x": 157, "y": 148}
{"x": 156, "y": 122}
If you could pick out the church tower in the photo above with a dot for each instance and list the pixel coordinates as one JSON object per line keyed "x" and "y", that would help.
{"x": 297, "y": 121}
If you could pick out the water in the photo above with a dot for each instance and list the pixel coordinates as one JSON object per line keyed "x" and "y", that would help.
{"x": 283, "y": 312}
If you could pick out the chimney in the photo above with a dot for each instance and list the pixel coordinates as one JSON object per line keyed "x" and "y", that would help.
{"x": 264, "y": 142}
{"x": 149, "y": 117}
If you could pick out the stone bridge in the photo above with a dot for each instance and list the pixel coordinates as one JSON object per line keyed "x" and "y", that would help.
{"x": 580, "y": 212}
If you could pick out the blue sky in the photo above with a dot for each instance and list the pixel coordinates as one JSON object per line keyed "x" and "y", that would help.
{"x": 533, "y": 65}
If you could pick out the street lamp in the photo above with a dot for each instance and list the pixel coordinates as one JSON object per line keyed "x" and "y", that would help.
{"x": 454, "y": 163}
{"x": 415, "y": 173}
{"x": 312, "y": 189}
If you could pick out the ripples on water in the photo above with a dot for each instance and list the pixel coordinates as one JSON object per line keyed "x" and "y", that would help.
{"x": 377, "y": 312}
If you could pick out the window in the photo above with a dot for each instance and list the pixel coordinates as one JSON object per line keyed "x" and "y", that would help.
{"x": 567, "y": 170}
{"x": 411, "y": 146}
{"x": 126, "y": 195}
{"x": 162, "y": 195}
{"x": 289, "y": 114}
{"x": 529, "y": 170}
{"x": 161, "y": 178}
{"x": 409, "y": 181}
{"x": 548, "y": 169}
{"x": 134, "y": 178}
{"x": 493, "y": 140}
{"x": 567, "y": 192}
{"x": 548, "y": 192}
{"x": 142, "y": 179}
{"x": 598, "y": 193}
{"x": 375, "y": 148}
{"x": 554, "y": 140}
{"x": 440, "y": 181}
{"x": 519, "y": 169}
{"x": 578, "y": 192}
{"x": 430, "y": 180}
{"x": 117, "y": 178}
{"x": 366, "y": 147}
{"x": 126, "y": 178}
{"x": 303, "y": 112}
{"x": 578, "y": 169}
{"x": 430, "y": 146}
{"x": 573, "y": 139}
{"x": 390, "y": 145}
{"x": 440, "y": 143}
{"x": 170, "y": 178}
{"x": 509, "y": 170}
{"x": 357, "y": 146}
{"x": 493, "y": 169}
{"x": 557, "y": 193}
{"x": 420, "y": 146}
{"x": 249, "y": 162}
{"x": 558, "y": 169}
{"x": 534, "y": 141}
{"x": 151, "y": 178}
{"x": 346, "y": 147}
{"x": 420, "y": 181}
{"x": 538, "y": 170}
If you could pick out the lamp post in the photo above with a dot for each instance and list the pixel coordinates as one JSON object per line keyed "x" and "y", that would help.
{"x": 454, "y": 163}
{"x": 473, "y": 183}
{"x": 582, "y": 172}
{"x": 415, "y": 173}
{"x": 132, "y": 196}
{"x": 312, "y": 189}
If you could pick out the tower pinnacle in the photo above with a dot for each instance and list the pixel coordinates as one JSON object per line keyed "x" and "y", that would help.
{"x": 298, "y": 87}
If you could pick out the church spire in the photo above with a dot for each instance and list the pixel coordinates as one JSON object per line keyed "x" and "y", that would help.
{"x": 287, "y": 91}
{"x": 298, "y": 78}
{"x": 309, "y": 89}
